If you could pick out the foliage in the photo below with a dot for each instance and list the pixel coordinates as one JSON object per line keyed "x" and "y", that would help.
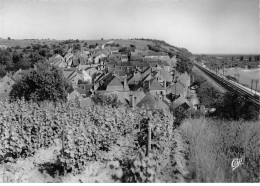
{"x": 181, "y": 114}
{"x": 142, "y": 170}
{"x": 215, "y": 143}
{"x": 46, "y": 82}
{"x": 234, "y": 106}
{"x": 101, "y": 133}
{"x": 208, "y": 95}
{"x": 184, "y": 64}
{"x": 2, "y": 72}
{"x": 106, "y": 100}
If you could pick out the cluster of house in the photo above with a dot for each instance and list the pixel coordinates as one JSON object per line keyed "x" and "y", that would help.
{"x": 140, "y": 78}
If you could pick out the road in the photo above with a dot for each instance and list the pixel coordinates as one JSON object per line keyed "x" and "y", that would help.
{"x": 231, "y": 85}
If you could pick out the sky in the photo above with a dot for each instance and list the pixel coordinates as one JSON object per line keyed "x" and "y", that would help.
{"x": 201, "y": 26}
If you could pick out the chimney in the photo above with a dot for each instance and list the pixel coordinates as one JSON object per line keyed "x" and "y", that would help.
{"x": 133, "y": 100}
{"x": 126, "y": 87}
{"x": 149, "y": 84}
{"x": 157, "y": 97}
{"x": 164, "y": 85}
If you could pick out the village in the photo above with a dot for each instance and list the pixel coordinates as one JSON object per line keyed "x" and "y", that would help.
{"x": 137, "y": 77}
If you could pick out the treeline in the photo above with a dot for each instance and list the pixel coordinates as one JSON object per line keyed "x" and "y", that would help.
{"x": 15, "y": 58}
{"x": 214, "y": 62}
{"x": 12, "y": 59}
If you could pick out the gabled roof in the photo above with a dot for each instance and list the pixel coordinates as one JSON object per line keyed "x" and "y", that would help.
{"x": 75, "y": 61}
{"x": 155, "y": 85}
{"x": 150, "y": 102}
{"x": 68, "y": 55}
{"x": 184, "y": 79}
{"x": 115, "y": 82}
{"x": 166, "y": 75}
{"x": 181, "y": 101}
{"x": 135, "y": 77}
{"x": 178, "y": 87}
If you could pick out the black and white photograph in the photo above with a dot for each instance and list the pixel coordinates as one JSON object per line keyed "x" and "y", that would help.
{"x": 129, "y": 91}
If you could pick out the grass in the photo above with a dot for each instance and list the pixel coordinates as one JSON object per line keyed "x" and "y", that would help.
{"x": 215, "y": 143}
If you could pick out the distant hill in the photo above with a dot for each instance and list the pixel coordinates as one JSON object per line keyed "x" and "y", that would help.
{"x": 141, "y": 44}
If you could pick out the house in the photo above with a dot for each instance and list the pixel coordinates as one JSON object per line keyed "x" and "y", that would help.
{"x": 124, "y": 58}
{"x": 173, "y": 62}
{"x": 58, "y": 60}
{"x": 184, "y": 79}
{"x": 165, "y": 66}
{"x": 120, "y": 73}
{"x": 151, "y": 102}
{"x": 177, "y": 89}
{"x": 68, "y": 57}
{"x": 135, "y": 78}
{"x": 98, "y": 57}
{"x": 73, "y": 76}
{"x": 165, "y": 76}
{"x": 155, "y": 87}
{"x": 83, "y": 59}
{"x": 75, "y": 61}
{"x": 181, "y": 102}
{"x": 92, "y": 70}
{"x": 115, "y": 84}
{"x": 85, "y": 76}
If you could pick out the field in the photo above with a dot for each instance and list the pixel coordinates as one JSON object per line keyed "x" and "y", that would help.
{"x": 4, "y": 43}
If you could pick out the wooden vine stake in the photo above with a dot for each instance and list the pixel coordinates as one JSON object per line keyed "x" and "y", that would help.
{"x": 149, "y": 139}
{"x": 63, "y": 149}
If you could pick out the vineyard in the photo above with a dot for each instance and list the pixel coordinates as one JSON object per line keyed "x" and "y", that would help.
{"x": 137, "y": 143}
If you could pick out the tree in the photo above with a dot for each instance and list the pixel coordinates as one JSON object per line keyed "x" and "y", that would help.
{"x": 46, "y": 82}
{"x": 184, "y": 64}
{"x": 9, "y": 38}
{"x": 234, "y": 107}
{"x": 2, "y": 72}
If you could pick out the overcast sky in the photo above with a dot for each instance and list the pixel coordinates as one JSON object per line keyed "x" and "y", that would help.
{"x": 201, "y": 26}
